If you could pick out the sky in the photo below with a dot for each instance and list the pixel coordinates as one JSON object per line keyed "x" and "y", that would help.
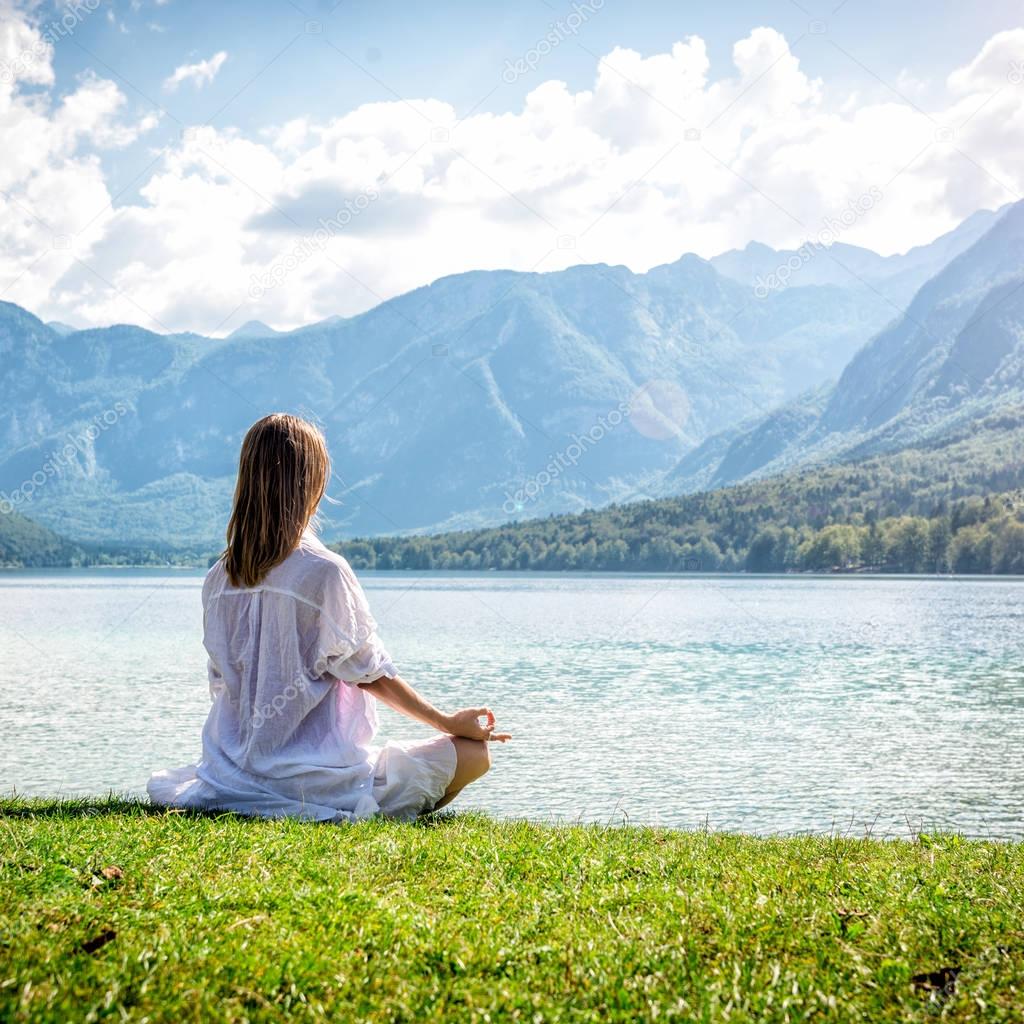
{"x": 189, "y": 165}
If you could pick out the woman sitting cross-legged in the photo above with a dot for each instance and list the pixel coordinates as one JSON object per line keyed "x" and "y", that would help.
{"x": 296, "y": 667}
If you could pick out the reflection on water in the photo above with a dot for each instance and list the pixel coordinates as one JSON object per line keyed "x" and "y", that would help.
{"x": 761, "y": 704}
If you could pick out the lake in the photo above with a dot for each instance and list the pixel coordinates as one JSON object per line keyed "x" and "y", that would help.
{"x": 762, "y": 704}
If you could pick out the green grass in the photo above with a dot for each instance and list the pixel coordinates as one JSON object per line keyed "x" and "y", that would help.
{"x": 110, "y": 910}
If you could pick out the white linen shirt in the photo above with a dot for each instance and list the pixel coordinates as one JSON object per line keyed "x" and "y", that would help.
{"x": 289, "y": 732}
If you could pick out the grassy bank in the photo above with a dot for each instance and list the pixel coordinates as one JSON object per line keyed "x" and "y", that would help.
{"x": 109, "y": 910}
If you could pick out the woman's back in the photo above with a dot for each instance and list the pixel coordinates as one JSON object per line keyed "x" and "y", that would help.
{"x": 283, "y": 735}
{"x": 275, "y": 653}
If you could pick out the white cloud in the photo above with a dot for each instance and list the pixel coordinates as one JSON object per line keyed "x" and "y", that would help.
{"x": 199, "y": 74}
{"x": 116, "y": 22}
{"x": 664, "y": 154}
{"x": 52, "y": 180}
{"x": 909, "y": 85}
{"x": 93, "y": 113}
{"x": 25, "y": 52}
{"x": 999, "y": 63}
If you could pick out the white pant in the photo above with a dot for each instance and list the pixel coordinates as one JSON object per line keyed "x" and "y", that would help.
{"x": 411, "y": 778}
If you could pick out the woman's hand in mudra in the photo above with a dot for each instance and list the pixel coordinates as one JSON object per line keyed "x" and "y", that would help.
{"x": 475, "y": 724}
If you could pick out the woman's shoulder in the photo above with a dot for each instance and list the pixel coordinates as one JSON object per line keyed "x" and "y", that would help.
{"x": 314, "y": 552}
{"x": 320, "y": 567}
{"x": 214, "y": 585}
{"x": 323, "y": 579}
{"x": 216, "y": 568}
{"x": 215, "y": 576}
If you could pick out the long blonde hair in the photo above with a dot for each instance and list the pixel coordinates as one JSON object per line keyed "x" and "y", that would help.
{"x": 282, "y": 475}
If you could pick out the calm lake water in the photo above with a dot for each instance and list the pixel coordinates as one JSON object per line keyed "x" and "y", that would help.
{"x": 757, "y": 704}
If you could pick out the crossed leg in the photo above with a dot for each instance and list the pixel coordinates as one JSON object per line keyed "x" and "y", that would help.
{"x": 474, "y": 758}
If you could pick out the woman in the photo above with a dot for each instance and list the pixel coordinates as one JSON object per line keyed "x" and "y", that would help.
{"x": 296, "y": 667}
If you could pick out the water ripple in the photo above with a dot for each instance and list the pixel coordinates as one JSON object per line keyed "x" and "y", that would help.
{"x": 771, "y": 705}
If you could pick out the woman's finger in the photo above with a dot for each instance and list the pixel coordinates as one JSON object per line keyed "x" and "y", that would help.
{"x": 500, "y": 737}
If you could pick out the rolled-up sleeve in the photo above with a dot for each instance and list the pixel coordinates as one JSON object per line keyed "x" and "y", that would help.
{"x": 368, "y": 662}
{"x": 349, "y": 648}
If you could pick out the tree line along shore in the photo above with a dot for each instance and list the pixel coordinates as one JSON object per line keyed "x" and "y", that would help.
{"x": 955, "y": 507}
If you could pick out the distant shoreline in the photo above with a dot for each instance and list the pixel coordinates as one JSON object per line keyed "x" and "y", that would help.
{"x": 555, "y": 573}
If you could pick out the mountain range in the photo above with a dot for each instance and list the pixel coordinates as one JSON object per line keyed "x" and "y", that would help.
{"x": 954, "y": 357}
{"x": 895, "y": 278}
{"x": 494, "y": 395}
